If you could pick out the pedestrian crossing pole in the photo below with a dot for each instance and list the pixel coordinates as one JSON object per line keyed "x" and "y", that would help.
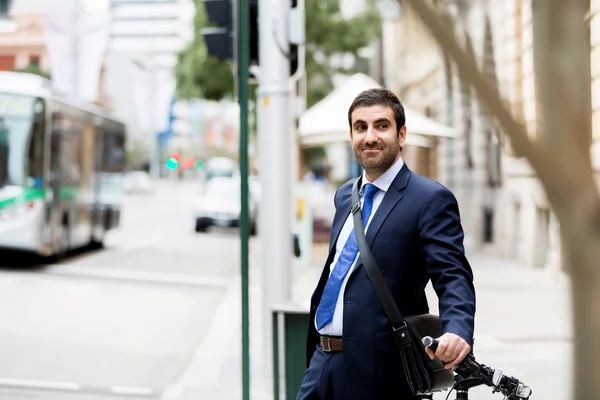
{"x": 243, "y": 59}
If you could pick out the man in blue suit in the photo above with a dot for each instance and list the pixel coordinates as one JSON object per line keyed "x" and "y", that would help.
{"x": 414, "y": 231}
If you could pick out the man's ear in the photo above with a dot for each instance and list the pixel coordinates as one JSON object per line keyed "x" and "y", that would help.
{"x": 402, "y": 136}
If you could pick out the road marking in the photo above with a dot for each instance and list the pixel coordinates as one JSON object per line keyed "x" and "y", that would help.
{"x": 131, "y": 390}
{"x": 35, "y": 384}
{"x": 140, "y": 276}
{"x": 31, "y": 384}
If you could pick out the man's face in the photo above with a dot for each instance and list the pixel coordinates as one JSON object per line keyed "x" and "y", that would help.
{"x": 375, "y": 139}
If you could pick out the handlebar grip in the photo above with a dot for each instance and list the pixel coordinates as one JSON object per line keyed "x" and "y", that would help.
{"x": 430, "y": 342}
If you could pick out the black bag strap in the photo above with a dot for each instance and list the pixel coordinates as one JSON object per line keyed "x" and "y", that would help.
{"x": 373, "y": 271}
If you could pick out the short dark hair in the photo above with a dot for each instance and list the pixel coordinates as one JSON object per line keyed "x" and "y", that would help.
{"x": 379, "y": 97}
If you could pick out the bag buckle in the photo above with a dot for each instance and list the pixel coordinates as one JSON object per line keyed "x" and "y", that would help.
{"x": 402, "y": 334}
{"x": 400, "y": 327}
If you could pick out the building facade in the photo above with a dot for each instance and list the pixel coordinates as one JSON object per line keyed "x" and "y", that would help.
{"x": 504, "y": 208}
{"x": 145, "y": 37}
{"x": 22, "y": 41}
{"x": 153, "y": 29}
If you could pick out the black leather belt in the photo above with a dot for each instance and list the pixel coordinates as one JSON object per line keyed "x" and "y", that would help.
{"x": 330, "y": 343}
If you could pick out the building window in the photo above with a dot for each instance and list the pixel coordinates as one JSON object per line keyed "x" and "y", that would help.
{"x": 34, "y": 61}
{"x": 467, "y": 117}
{"x": 494, "y": 158}
{"x": 4, "y": 6}
{"x": 488, "y": 224}
{"x": 492, "y": 134}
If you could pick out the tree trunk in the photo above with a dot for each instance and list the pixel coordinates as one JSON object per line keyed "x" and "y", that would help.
{"x": 582, "y": 257}
{"x": 563, "y": 83}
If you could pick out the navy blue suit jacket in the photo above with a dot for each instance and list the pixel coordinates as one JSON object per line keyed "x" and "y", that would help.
{"x": 415, "y": 236}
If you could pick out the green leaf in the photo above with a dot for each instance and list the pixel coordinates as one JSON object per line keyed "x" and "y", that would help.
{"x": 196, "y": 74}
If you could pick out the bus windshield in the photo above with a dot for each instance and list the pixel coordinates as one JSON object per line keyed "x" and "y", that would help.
{"x": 21, "y": 140}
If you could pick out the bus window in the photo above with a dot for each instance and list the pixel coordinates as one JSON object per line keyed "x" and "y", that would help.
{"x": 114, "y": 152}
{"x": 18, "y": 125}
{"x": 36, "y": 152}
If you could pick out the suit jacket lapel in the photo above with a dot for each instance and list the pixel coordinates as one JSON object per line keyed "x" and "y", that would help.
{"x": 391, "y": 198}
{"x": 342, "y": 212}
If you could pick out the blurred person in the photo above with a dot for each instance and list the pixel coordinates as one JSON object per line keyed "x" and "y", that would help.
{"x": 415, "y": 234}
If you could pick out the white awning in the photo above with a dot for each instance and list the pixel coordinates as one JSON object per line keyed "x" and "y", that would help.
{"x": 327, "y": 121}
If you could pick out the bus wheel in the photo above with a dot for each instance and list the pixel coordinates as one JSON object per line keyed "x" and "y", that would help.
{"x": 63, "y": 247}
{"x": 97, "y": 239}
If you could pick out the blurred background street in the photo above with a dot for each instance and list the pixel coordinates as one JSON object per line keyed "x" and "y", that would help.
{"x": 156, "y": 314}
{"x": 122, "y": 320}
{"x": 127, "y": 134}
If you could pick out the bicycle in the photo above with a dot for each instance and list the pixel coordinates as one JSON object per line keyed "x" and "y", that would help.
{"x": 469, "y": 374}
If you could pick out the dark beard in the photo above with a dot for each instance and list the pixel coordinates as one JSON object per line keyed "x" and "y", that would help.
{"x": 378, "y": 164}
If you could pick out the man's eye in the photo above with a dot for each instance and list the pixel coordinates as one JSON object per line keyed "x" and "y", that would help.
{"x": 383, "y": 126}
{"x": 360, "y": 127}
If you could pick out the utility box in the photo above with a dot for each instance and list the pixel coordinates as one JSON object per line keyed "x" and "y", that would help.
{"x": 290, "y": 325}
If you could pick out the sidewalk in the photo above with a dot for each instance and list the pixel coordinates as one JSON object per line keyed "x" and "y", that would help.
{"x": 522, "y": 327}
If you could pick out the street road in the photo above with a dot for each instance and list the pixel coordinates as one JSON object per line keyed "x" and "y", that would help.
{"x": 155, "y": 315}
{"x": 121, "y": 322}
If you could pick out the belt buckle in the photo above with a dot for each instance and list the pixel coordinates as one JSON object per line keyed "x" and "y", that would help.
{"x": 326, "y": 344}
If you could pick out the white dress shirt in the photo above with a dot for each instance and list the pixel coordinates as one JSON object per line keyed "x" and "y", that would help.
{"x": 383, "y": 183}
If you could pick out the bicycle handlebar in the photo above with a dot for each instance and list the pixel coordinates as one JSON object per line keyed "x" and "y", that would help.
{"x": 479, "y": 374}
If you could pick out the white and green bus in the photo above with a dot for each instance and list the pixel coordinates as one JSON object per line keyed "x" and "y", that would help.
{"x": 61, "y": 168}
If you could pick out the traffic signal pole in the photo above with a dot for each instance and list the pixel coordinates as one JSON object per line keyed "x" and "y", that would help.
{"x": 243, "y": 43}
{"x": 274, "y": 144}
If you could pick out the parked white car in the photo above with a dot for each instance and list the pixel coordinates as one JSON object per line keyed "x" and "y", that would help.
{"x": 220, "y": 205}
{"x": 137, "y": 182}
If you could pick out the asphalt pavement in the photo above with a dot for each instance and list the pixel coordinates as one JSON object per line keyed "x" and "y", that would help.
{"x": 121, "y": 322}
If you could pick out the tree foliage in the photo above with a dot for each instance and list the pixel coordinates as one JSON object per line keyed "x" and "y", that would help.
{"x": 197, "y": 74}
{"x": 328, "y": 35}
{"x": 33, "y": 69}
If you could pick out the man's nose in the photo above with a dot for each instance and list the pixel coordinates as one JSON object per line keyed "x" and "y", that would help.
{"x": 371, "y": 137}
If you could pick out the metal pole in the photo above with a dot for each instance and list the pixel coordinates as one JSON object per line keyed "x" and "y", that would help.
{"x": 274, "y": 149}
{"x": 243, "y": 58}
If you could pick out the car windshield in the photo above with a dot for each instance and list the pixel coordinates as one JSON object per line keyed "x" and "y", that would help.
{"x": 223, "y": 189}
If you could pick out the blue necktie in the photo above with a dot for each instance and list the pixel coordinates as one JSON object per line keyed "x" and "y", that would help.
{"x": 345, "y": 261}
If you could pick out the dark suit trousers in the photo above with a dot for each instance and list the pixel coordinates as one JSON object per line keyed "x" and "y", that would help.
{"x": 325, "y": 378}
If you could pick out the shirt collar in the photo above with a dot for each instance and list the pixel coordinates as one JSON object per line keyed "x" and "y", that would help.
{"x": 384, "y": 182}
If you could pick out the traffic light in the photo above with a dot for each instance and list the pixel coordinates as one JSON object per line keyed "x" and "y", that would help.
{"x": 253, "y": 29}
{"x": 254, "y": 38}
{"x": 188, "y": 163}
{"x": 199, "y": 164}
{"x": 220, "y": 39}
{"x": 293, "y": 48}
{"x": 172, "y": 163}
